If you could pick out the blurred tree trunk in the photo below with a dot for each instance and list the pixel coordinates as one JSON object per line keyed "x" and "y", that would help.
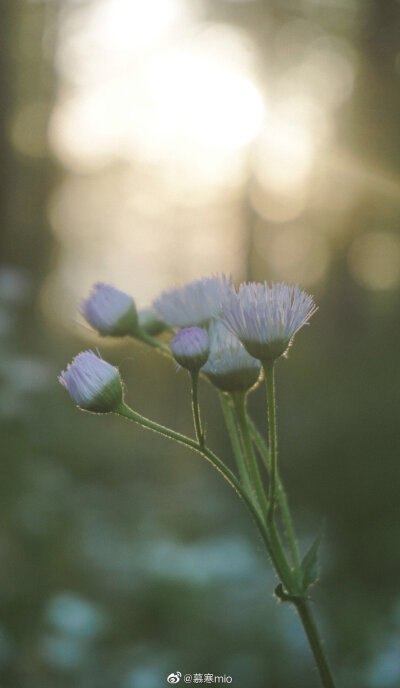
{"x": 26, "y": 91}
{"x": 6, "y": 157}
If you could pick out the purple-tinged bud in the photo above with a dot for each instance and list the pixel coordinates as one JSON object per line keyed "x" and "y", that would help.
{"x": 110, "y": 311}
{"x": 229, "y": 367}
{"x": 150, "y": 322}
{"x": 93, "y": 384}
{"x": 190, "y": 348}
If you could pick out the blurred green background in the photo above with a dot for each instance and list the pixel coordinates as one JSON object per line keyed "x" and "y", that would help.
{"x": 145, "y": 144}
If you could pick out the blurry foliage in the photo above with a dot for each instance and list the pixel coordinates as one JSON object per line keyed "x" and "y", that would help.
{"x": 123, "y": 557}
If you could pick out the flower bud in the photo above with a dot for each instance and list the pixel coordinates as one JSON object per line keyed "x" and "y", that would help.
{"x": 195, "y": 303}
{"x": 93, "y": 384}
{"x": 110, "y": 311}
{"x": 229, "y": 367}
{"x": 190, "y": 348}
{"x": 150, "y": 322}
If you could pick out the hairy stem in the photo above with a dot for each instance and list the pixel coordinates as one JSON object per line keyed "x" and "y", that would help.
{"x": 314, "y": 639}
{"x": 281, "y": 496}
{"x": 124, "y": 410}
{"x": 234, "y": 437}
{"x": 280, "y": 568}
{"x": 278, "y": 551}
{"x": 272, "y": 443}
{"x": 239, "y": 400}
{"x": 195, "y": 408}
{"x": 268, "y": 534}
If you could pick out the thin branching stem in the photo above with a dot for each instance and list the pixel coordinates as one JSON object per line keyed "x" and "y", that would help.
{"x": 281, "y": 495}
{"x": 267, "y": 528}
{"x": 196, "y": 409}
{"x": 127, "y": 412}
{"x": 235, "y": 441}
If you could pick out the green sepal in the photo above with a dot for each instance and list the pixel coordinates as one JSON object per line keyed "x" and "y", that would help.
{"x": 309, "y": 564}
{"x": 108, "y": 399}
{"x": 127, "y": 325}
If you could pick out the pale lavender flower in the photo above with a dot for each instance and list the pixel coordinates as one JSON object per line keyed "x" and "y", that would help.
{"x": 266, "y": 318}
{"x": 110, "y": 311}
{"x": 195, "y": 303}
{"x": 190, "y": 348}
{"x": 92, "y": 383}
{"x": 229, "y": 367}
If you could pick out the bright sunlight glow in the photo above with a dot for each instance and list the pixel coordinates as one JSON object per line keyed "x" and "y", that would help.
{"x": 204, "y": 100}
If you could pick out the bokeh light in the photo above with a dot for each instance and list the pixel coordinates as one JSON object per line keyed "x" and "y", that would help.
{"x": 374, "y": 260}
{"x": 204, "y": 101}
{"x": 157, "y": 122}
{"x": 164, "y": 114}
{"x": 295, "y": 253}
{"x": 149, "y": 142}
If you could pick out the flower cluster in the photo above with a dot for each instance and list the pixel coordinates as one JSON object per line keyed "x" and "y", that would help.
{"x": 226, "y": 333}
{"x": 231, "y": 337}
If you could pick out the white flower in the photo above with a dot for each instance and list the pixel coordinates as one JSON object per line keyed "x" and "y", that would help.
{"x": 229, "y": 366}
{"x": 195, "y": 303}
{"x": 92, "y": 383}
{"x": 190, "y": 348}
{"x": 110, "y": 311}
{"x": 265, "y": 318}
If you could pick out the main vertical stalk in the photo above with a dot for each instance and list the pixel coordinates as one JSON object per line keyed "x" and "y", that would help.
{"x": 315, "y": 643}
{"x": 278, "y": 553}
{"x": 299, "y": 601}
{"x": 281, "y": 494}
{"x": 272, "y": 437}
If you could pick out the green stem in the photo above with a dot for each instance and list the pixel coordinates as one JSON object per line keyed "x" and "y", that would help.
{"x": 300, "y": 603}
{"x": 281, "y": 495}
{"x": 314, "y": 639}
{"x": 278, "y": 551}
{"x": 239, "y": 400}
{"x": 154, "y": 343}
{"x": 234, "y": 437}
{"x": 124, "y": 410}
{"x": 195, "y": 408}
{"x": 272, "y": 443}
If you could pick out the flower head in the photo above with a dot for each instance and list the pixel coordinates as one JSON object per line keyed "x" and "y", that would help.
{"x": 150, "y": 322}
{"x": 195, "y": 303}
{"x": 265, "y": 318}
{"x": 229, "y": 367}
{"x": 190, "y": 348}
{"x": 92, "y": 383}
{"x": 110, "y": 311}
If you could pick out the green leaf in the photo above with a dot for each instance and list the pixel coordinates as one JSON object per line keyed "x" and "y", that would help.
{"x": 309, "y": 565}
